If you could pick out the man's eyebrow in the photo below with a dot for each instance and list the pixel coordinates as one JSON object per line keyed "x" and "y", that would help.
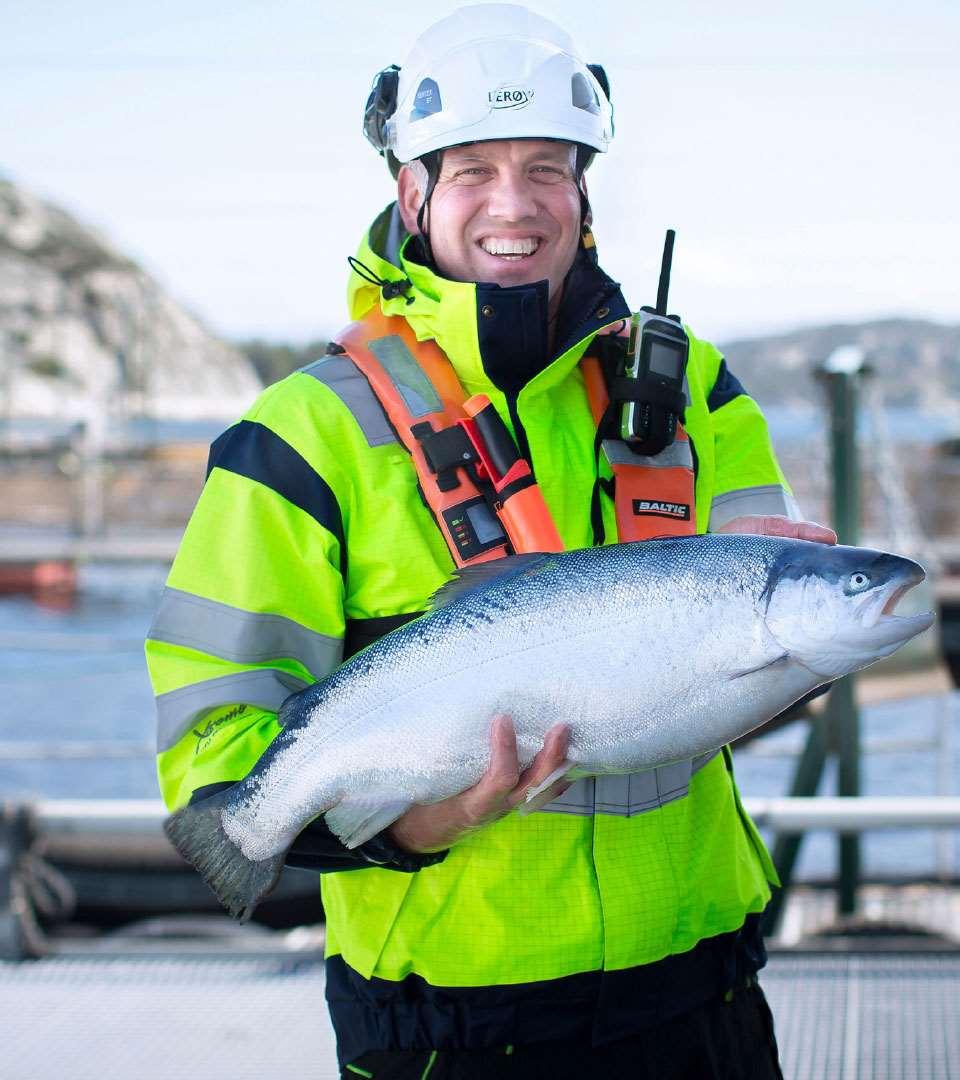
{"x": 464, "y": 155}
{"x": 551, "y": 156}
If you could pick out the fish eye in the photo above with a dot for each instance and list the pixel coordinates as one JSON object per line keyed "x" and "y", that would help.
{"x": 857, "y": 582}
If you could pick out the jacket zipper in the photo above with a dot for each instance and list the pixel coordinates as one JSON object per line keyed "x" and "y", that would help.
{"x": 523, "y": 443}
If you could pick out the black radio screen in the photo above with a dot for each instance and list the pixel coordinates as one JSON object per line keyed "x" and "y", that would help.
{"x": 666, "y": 360}
{"x": 485, "y": 525}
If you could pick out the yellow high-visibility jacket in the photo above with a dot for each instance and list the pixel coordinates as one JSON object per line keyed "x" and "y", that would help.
{"x": 310, "y": 527}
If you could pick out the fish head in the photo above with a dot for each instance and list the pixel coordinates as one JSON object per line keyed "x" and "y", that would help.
{"x": 832, "y": 607}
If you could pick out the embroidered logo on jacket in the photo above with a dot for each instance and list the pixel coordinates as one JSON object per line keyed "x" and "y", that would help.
{"x": 206, "y": 733}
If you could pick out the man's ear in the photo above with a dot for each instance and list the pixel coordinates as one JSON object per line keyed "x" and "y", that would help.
{"x": 409, "y": 198}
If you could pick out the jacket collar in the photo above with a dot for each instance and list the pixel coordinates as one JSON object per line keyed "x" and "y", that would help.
{"x": 496, "y": 338}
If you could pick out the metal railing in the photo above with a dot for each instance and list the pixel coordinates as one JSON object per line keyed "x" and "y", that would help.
{"x": 65, "y": 829}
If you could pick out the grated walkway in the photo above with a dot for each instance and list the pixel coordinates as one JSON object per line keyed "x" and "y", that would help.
{"x": 153, "y": 1019}
{"x": 866, "y": 1016}
{"x": 850, "y": 1017}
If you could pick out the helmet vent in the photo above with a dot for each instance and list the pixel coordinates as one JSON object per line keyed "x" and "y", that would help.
{"x": 583, "y": 94}
{"x": 426, "y": 101}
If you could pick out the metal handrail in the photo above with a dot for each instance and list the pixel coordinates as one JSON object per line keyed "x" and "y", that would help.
{"x": 854, "y": 813}
{"x": 52, "y": 817}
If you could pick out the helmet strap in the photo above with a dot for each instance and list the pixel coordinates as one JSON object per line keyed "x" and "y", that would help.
{"x": 584, "y": 157}
{"x": 431, "y": 162}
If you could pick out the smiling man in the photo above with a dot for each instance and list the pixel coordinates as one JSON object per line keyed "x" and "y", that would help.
{"x": 615, "y": 931}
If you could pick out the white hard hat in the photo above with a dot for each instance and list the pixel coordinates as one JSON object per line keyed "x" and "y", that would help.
{"x": 491, "y": 71}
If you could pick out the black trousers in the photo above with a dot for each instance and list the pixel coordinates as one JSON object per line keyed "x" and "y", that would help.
{"x": 730, "y": 1038}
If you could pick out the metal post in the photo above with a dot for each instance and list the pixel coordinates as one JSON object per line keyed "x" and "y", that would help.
{"x": 786, "y": 848}
{"x": 848, "y": 783}
{"x": 946, "y": 841}
{"x": 14, "y": 913}
{"x": 842, "y": 372}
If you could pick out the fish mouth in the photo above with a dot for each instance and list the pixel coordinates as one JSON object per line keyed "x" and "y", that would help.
{"x": 903, "y": 627}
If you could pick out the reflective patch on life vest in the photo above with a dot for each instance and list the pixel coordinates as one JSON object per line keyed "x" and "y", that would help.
{"x": 676, "y": 455}
{"x": 412, "y": 384}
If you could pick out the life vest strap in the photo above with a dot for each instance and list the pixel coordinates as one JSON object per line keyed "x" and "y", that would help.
{"x": 419, "y": 391}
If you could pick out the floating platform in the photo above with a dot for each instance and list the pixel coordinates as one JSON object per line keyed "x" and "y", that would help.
{"x": 41, "y": 577}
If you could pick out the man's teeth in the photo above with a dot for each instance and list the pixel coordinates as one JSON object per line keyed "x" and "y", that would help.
{"x": 494, "y": 246}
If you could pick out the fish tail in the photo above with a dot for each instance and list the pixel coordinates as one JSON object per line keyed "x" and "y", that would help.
{"x": 198, "y": 835}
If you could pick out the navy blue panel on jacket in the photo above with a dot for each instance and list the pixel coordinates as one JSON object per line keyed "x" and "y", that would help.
{"x": 725, "y": 389}
{"x": 597, "y": 1007}
{"x": 253, "y": 450}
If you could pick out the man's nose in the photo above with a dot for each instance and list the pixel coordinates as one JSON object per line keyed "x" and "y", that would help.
{"x": 512, "y": 198}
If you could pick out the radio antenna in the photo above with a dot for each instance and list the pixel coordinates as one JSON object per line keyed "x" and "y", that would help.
{"x": 664, "y": 286}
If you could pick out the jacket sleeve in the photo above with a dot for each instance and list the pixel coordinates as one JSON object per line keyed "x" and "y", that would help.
{"x": 747, "y": 478}
{"x": 253, "y": 610}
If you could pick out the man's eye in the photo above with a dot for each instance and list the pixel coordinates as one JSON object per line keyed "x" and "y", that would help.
{"x": 467, "y": 177}
{"x": 549, "y": 174}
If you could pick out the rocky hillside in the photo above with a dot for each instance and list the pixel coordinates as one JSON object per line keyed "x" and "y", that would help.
{"x": 84, "y": 328}
{"x": 918, "y": 362}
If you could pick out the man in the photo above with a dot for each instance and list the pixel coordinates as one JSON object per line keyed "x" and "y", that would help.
{"x": 616, "y": 931}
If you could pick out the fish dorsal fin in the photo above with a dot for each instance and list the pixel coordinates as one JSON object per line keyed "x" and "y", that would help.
{"x": 480, "y": 576}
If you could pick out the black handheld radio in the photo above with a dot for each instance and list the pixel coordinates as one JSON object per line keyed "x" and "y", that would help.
{"x": 656, "y": 363}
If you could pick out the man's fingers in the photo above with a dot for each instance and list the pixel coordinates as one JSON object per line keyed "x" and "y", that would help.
{"x": 551, "y": 757}
{"x": 487, "y": 797}
{"x": 504, "y": 769}
{"x": 801, "y": 530}
{"x": 435, "y": 826}
{"x": 776, "y": 525}
{"x": 819, "y": 534}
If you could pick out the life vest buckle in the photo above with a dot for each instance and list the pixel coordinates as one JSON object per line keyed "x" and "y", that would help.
{"x": 445, "y": 451}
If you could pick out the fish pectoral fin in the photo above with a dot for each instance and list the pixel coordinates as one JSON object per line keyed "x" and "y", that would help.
{"x": 541, "y": 795}
{"x": 758, "y": 667}
{"x": 358, "y": 817}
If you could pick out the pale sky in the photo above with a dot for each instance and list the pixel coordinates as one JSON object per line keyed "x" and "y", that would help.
{"x": 806, "y": 153}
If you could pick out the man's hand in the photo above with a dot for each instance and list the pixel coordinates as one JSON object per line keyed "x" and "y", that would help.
{"x": 501, "y": 788}
{"x": 774, "y": 525}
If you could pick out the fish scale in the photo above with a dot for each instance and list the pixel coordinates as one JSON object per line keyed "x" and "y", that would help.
{"x": 651, "y": 652}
